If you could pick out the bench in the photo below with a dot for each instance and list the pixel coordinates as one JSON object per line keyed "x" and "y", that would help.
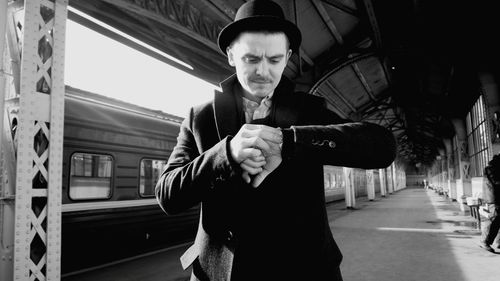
{"x": 474, "y": 203}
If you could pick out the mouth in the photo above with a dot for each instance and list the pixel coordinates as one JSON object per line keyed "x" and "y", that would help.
{"x": 260, "y": 81}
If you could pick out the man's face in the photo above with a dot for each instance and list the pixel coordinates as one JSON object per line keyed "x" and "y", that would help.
{"x": 259, "y": 59}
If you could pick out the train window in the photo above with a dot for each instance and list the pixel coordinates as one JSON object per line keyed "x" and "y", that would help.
{"x": 151, "y": 170}
{"x": 90, "y": 176}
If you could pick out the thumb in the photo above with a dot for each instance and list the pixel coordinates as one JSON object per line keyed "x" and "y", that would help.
{"x": 259, "y": 178}
{"x": 246, "y": 177}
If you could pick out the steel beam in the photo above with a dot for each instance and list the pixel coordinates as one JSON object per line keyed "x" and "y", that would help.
{"x": 40, "y": 121}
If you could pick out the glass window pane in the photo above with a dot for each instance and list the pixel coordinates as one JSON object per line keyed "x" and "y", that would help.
{"x": 150, "y": 173}
{"x": 468, "y": 123}
{"x": 84, "y": 182}
{"x": 478, "y": 137}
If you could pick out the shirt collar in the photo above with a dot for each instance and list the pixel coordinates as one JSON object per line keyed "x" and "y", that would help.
{"x": 265, "y": 101}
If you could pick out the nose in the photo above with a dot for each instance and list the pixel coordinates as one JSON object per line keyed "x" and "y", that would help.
{"x": 262, "y": 68}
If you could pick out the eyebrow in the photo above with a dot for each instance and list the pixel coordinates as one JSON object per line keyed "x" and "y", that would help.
{"x": 270, "y": 57}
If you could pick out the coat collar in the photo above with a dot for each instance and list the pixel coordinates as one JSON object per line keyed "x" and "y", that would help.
{"x": 228, "y": 107}
{"x": 227, "y": 115}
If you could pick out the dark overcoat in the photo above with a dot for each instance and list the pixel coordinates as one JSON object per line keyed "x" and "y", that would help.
{"x": 280, "y": 230}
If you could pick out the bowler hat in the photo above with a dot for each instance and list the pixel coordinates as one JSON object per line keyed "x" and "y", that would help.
{"x": 259, "y": 15}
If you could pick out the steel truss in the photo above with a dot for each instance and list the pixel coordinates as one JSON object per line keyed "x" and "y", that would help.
{"x": 33, "y": 134}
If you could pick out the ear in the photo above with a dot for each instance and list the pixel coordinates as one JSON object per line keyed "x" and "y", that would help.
{"x": 230, "y": 56}
{"x": 288, "y": 54}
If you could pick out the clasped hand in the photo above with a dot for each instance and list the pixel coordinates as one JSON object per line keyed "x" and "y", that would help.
{"x": 257, "y": 148}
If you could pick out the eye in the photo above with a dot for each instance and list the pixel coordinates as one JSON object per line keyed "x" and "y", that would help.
{"x": 275, "y": 61}
{"x": 251, "y": 59}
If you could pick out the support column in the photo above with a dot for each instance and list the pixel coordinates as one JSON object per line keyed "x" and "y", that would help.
{"x": 394, "y": 177}
{"x": 3, "y": 23}
{"x": 383, "y": 182}
{"x": 390, "y": 183}
{"x": 350, "y": 195}
{"x": 6, "y": 188}
{"x": 450, "y": 183}
{"x": 444, "y": 169}
{"x": 370, "y": 185}
{"x": 36, "y": 38}
{"x": 463, "y": 183}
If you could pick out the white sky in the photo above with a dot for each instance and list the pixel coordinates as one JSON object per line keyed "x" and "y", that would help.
{"x": 103, "y": 66}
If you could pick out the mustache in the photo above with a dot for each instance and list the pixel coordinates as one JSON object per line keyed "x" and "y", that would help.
{"x": 261, "y": 79}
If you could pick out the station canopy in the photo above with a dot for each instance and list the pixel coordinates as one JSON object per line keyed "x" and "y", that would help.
{"x": 408, "y": 65}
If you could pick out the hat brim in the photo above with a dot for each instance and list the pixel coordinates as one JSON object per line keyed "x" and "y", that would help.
{"x": 259, "y": 23}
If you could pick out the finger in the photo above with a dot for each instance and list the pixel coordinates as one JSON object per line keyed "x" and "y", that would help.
{"x": 258, "y": 158}
{"x": 249, "y": 152}
{"x": 259, "y": 127}
{"x": 257, "y": 142}
{"x": 246, "y": 177}
{"x": 251, "y": 127}
{"x": 250, "y": 170}
{"x": 265, "y": 132}
{"x": 258, "y": 179}
{"x": 254, "y": 164}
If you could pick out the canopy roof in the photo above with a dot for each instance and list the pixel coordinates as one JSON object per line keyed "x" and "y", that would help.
{"x": 409, "y": 65}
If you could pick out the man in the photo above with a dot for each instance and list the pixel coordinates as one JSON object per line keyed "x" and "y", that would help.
{"x": 254, "y": 160}
{"x": 492, "y": 200}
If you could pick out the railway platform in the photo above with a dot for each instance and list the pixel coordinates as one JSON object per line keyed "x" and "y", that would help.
{"x": 412, "y": 234}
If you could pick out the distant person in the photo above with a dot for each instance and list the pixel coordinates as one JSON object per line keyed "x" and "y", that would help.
{"x": 253, "y": 157}
{"x": 492, "y": 199}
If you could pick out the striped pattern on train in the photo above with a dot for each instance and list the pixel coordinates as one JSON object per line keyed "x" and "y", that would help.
{"x": 113, "y": 153}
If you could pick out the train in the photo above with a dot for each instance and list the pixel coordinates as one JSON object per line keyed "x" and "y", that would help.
{"x": 113, "y": 155}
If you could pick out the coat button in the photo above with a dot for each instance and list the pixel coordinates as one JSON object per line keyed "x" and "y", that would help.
{"x": 332, "y": 144}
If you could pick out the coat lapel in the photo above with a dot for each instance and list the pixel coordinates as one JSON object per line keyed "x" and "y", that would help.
{"x": 227, "y": 119}
{"x": 284, "y": 108}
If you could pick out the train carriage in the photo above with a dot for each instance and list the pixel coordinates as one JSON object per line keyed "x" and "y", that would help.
{"x": 113, "y": 155}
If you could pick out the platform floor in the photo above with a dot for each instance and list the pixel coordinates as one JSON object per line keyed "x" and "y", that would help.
{"x": 412, "y": 234}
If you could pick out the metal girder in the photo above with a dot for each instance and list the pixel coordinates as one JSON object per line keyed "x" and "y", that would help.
{"x": 222, "y": 9}
{"x": 37, "y": 112}
{"x": 206, "y": 36}
{"x": 373, "y": 23}
{"x": 6, "y": 161}
{"x": 342, "y": 7}
{"x": 339, "y": 64}
{"x": 362, "y": 78}
{"x": 328, "y": 21}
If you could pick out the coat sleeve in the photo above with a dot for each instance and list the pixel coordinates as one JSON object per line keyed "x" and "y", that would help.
{"x": 188, "y": 174}
{"x": 338, "y": 142}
